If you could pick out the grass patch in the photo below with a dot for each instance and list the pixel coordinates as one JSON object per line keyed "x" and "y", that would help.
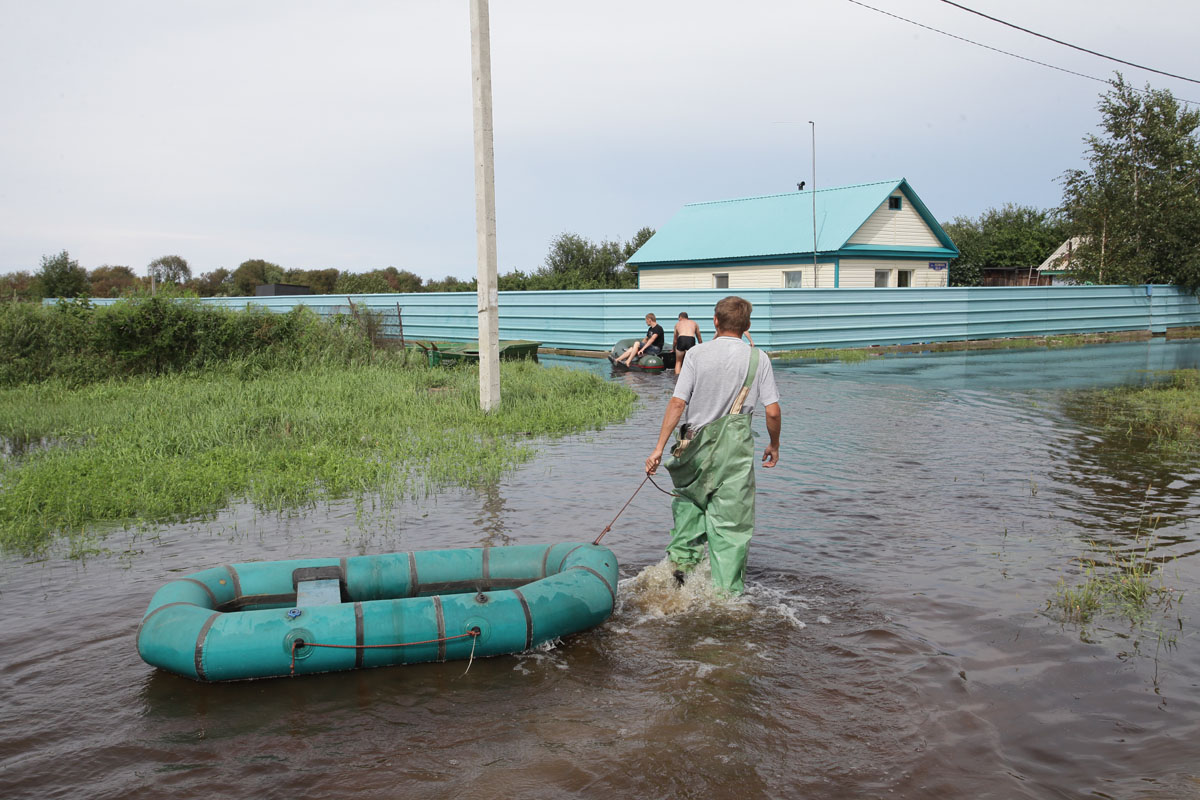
{"x": 850, "y": 356}
{"x": 1167, "y": 413}
{"x": 153, "y": 449}
{"x": 1124, "y": 583}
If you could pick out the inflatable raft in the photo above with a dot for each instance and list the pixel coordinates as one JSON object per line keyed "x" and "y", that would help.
{"x": 647, "y": 363}
{"x": 276, "y": 618}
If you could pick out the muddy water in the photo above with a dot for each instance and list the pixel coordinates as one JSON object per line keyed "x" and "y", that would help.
{"x": 894, "y": 641}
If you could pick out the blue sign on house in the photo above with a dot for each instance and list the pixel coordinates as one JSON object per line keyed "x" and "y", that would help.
{"x": 938, "y": 264}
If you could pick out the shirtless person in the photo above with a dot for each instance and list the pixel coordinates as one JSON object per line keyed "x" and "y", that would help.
{"x": 687, "y": 336}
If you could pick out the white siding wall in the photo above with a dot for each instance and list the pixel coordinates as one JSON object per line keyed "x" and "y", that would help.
{"x": 750, "y": 277}
{"x": 926, "y": 278}
{"x": 853, "y": 274}
{"x": 903, "y": 227}
{"x": 861, "y": 274}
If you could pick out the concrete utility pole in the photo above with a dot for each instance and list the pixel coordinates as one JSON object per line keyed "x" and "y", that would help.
{"x": 485, "y": 209}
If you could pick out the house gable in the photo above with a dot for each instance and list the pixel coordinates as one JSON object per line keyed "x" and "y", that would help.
{"x": 895, "y": 227}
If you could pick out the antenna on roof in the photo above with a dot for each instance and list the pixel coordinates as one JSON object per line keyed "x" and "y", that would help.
{"x": 814, "y": 198}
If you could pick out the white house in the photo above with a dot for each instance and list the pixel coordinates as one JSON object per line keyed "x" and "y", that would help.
{"x": 867, "y": 235}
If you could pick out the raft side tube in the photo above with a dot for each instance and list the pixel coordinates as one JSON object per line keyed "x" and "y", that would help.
{"x": 379, "y": 577}
{"x": 168, "y": 637}
{"x": 258, "y": 644}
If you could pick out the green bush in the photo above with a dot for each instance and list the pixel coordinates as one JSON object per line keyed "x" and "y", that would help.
{"x": 81, "y": 343}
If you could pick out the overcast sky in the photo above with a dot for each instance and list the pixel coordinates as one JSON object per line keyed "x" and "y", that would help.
{"x": 339, "y": 134}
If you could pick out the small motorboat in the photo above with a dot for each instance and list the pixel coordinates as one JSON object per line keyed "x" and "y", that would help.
{"x": 647, "y": 363}
{"x": 276, "y": 618}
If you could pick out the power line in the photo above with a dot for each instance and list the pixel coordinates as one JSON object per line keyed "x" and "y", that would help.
{"x": 977, "y": 44}
{"x": 1068, "y": 44}
{"x": 998, "y": 50}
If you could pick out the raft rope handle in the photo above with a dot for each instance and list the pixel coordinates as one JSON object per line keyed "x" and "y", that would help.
{"x": 608, "y": 527}
{"x": 474, "y": 633}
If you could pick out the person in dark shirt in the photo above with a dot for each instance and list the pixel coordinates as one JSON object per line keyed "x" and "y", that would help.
{"x": 651, "y": 345}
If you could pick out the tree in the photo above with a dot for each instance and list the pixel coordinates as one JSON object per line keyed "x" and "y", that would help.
{"x": 169, "y": 269}
{"x": 318, "y": 281}
{"x": 217, "y": 283}
{"x": 254, "y": 273}
{"x": 452, "y": 284}
{"x": 322, "y": 281}
{"x": 401, "y": 280}
{"x": 639, "y": 239}
{"x": 1011, "y": 236}
{"x": 17, "y": 286}
{"x": 61, "y": 277}
{"x": 1137, "y": 205}
{"x": 964, "y": 270}
{"x": 362, "y": 283}
{"x": 574, "y": 262}
{"x": 110, "y": 281}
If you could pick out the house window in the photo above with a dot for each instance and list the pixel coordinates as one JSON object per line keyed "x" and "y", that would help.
{"x": 904, "y": 278}
{"x": 883, "y": 278}
{"x": 720, "y": 280}
{"x": 894, "y": 203}
{"x": 793, "y": 280}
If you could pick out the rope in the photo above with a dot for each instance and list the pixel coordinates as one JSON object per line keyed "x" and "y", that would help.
{"x": 608, "y": 527}
{"x": 471, "y": 660}
{"x": 474, "y": 633}
{"x": 664, "y": 491}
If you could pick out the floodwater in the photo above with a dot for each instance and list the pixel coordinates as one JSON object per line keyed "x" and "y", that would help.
{"x": 895, "y": 640}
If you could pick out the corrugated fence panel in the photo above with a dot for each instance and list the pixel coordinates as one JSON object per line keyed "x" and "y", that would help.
{"x": 784, "y": 319}
{"x": 1173, "y": 309}
{"x": 808, "y": 318}
{"x": 1015, "y": 311}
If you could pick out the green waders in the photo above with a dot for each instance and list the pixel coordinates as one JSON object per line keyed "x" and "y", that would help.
{"x": 713, "y": 475}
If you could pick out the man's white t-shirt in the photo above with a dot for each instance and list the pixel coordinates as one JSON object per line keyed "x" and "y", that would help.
{"x": 713, "y": 374}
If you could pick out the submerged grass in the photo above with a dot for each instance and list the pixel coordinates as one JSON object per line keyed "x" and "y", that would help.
{"x": 1052, "y": 342}
{"x": 145, "y": 450}
{"x": 1125, "y": 586}
{"x": 855, "y": 355}
{"x": 1125, "y": 582}
{"x": 850, "y": 356}
{"x": 1167, "y": 413}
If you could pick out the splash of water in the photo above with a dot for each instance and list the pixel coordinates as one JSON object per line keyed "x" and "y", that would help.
{"x": 654, "y": 593}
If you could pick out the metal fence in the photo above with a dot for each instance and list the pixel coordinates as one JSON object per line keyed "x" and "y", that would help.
{"x": 783, "y": 319}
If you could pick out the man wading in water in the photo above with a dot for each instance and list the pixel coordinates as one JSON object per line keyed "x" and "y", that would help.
{"x": 687, "y": 336}
{"x": 712, "y": 466}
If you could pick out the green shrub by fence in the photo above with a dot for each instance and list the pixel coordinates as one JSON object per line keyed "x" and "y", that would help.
{"x": 80, "y": 343}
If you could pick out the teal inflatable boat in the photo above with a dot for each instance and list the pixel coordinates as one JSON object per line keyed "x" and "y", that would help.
{"x": 647, "y": 363}
{"x": 276, "y": 618}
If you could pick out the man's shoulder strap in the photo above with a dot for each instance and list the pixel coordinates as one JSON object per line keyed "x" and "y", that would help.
{"x": 751, "y": 372}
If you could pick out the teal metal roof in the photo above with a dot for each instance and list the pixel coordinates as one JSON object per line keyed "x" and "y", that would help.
{"x": 775, "y": 225}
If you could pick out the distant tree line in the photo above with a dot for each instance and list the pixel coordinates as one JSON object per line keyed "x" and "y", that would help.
{"x": 1135, "y": 208}
{"x": 573, "y": 262}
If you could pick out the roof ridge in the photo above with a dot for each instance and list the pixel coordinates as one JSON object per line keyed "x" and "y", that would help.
{"x": 791, "y": 194}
